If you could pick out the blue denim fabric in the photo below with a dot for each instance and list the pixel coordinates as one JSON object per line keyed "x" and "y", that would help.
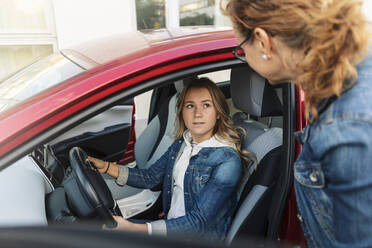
{"x": 209, "y": 190}
{"x": 333, "y": 173}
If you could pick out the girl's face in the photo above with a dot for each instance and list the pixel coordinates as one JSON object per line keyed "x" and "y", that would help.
{"x": 199, "y": 114}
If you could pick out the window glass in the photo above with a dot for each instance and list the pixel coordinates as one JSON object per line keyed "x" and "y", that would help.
{"x": 218, "y": 76}
{"x": 26, "y": 33}
{"x": 22, "y": 15}
{"x": 150, "y": 14}
{"x": 35, "y": 79}
{"x": 197, "y": 12}
{"x": 16, "y": 57}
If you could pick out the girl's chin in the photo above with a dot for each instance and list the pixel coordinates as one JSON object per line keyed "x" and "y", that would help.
{"x": 199, "y": 137}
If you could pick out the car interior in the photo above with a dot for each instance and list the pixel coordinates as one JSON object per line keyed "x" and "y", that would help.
{"x": 72, "y": 194}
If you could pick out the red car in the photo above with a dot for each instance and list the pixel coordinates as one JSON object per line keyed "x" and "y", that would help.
{"x": 81, "y": 98}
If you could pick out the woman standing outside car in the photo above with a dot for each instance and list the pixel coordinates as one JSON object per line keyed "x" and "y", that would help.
{"x": 199, "y": 172}
{"x": 321, "y": 46}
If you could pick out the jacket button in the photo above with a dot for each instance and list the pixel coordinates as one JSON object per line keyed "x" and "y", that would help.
{"x": 168, "y": 192}
{"x": 313, "y": 177}
{"x": 172, "y": 157}
{"x": 300, "y": 218}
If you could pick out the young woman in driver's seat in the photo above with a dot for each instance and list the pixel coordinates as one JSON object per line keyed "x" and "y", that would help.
{"x": 200, "y": 171}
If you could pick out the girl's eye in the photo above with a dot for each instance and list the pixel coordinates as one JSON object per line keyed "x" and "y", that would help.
{"x": 189, "y": 106}
{"x": 206, "y": 105}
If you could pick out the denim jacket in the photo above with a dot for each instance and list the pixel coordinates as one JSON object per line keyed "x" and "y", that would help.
{"x": 333, "y": 173}
{"x": 209, "y": 190}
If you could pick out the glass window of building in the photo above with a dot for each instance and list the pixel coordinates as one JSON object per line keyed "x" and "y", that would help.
{"x": 150, "y": 14}
{"x": 27, "y": 33}
{"x": 197, "y": 12}
{"x": 16, "y": 57}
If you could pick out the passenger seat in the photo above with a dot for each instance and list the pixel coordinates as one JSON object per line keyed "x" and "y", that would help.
{"x": 252, "y": 94}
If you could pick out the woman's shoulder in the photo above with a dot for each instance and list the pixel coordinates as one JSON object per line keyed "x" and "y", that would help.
{"x": 366, "y": 64}
{"x": 228, "y": 167}
{"x": 230, "y": 152}
{"x": 222, "y": 151}
{"x": 224, "y": 155}
{"x": 355, "y": 104}
{"x": 175, "y": 146}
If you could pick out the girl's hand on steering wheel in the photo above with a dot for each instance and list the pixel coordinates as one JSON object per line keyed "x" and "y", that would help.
{"x": 124, "y": 225}
{"x": 101, "y": 165}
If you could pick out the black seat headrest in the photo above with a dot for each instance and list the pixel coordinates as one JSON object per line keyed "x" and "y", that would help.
{"x": 252, "y": 94}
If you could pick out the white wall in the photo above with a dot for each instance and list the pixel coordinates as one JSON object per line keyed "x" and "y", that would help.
{"x": 172, "y": 13}
{"x": 219, "y": 19}
{"x": 81, "y": 20}
{"x": 367, "y": 7}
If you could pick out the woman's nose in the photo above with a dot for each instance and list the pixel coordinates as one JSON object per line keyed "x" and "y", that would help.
{"x": 198, "y": 112}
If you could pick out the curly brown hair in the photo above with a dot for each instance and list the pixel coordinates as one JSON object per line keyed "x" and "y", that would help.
{"x": 332, "y": 33}
{"x": 224, "y": 127}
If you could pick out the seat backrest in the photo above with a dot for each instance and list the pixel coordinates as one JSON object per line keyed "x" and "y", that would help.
{"x": 255, "y": 98}
{"x": 157, "y": 137}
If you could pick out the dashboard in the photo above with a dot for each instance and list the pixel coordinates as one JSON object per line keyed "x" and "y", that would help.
{"x": 23, "y": 187}
{"x": 48, "y": 163}
{"x": 30, "y": 191}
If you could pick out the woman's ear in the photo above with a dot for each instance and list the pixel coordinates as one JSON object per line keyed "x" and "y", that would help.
{"x": 263, "y": 42}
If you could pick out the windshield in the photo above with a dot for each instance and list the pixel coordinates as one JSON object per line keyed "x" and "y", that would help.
{"x": 35, "y": 78}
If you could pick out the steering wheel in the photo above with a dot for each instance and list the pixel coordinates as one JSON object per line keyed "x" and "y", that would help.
{"x": 86, "y": 190}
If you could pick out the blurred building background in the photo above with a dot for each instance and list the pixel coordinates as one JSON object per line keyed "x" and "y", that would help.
{"x": 32, "y": 29}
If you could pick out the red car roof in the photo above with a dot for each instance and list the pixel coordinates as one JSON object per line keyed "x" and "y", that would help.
{"x": 112, "y": 47}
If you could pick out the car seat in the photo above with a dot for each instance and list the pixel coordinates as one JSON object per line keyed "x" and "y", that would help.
{"x": 256, "y": 99}
{"x": 149, "y": 147}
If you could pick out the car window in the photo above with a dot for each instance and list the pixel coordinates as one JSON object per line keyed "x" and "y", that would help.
{"x": 36, "y": 78}
{"x": 218, "y": 76}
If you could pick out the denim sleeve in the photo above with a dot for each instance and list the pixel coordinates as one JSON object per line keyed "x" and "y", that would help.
{"x": 212, "y": 198}
{"x": 149, "y": 178}
{"x": 345, "y": 154}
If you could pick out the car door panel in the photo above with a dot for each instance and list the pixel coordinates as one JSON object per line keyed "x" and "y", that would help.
{"x": 108, "y": 144}
{"x": 116, "y": 115}
{"x": 104, "y": 136}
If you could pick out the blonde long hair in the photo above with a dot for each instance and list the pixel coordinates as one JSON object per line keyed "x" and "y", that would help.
{"x": 332, "y": 33}
{"x": 224, "y": 127}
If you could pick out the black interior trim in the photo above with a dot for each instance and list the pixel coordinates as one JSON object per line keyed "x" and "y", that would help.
{"x": 86, "y": 236}
{"x": 163, "y": 119}
{"x": 271, "y": 106}
{"x": 225, "y": 88}
{"x": 128, "y": 102}
{"x": 159, "y": 96}
{"x": 288, "y": 156}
